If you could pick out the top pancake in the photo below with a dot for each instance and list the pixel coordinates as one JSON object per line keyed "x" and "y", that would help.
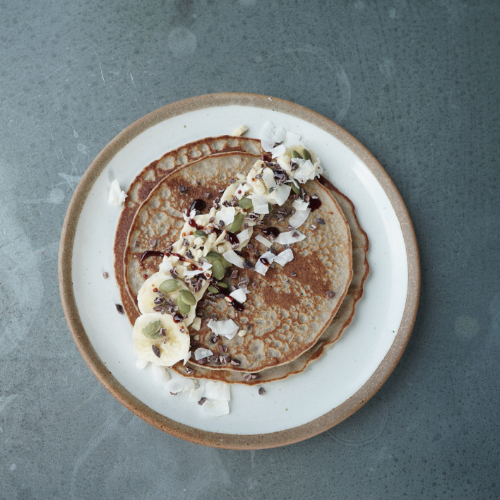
{"x": 288, "y": 309}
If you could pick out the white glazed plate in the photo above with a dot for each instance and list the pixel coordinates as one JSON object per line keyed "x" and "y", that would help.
{"x": 300, "y": 404}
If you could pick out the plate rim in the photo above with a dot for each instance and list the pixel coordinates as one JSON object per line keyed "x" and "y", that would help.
{"x": 136, "y": 406}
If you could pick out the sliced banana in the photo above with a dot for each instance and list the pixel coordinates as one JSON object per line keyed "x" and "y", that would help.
{"x": 176, "y": 346}
{"x": 146, "y": 295}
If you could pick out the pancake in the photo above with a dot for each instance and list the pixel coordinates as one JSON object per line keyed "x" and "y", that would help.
{"x": 150, "y": 176}
{"x": 334, "y": 330}
{"x": 288, "y": 309}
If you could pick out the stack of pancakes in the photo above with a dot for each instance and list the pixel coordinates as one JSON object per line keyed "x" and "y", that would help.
{"x": 294, "y": 313}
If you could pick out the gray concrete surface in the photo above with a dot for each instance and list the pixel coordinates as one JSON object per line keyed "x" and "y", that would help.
{"x": 416, "y": 82}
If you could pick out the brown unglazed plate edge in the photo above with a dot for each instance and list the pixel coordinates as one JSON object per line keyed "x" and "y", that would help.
{"x": 219, "y": 440}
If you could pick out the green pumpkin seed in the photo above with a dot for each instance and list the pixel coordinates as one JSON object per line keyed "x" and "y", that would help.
{"x": 218, "y": 270}
{"x": 200, "y": 233}
{"x": 245, "y": 203}
{"x": 296, "y": 154}
{"x": 169, "y": 286}
{"x": 306, "y": 155}
{"x": 183, "y": 307}
{"x": 295, "y": 188}
{"x": 270, "y": 208}
{"x": 152, "y": 330}
{"x": 236, "y": 224}
{"x": 225, "y": 263}
{"x": 212, "y": 289}
{"x": 187, "y": 297}
{"x": 213, "y": 256}
{"x": 222, "y": 284}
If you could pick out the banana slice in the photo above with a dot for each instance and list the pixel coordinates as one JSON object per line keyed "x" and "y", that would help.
{"x": 146, "y": 295}
{"x": 176, "y": 344}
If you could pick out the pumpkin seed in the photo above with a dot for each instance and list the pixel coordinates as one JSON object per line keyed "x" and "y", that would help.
{"x": 225, "y": 263}
{"x": 187, "y": 297}
{"x": 306, "y": 155}
{"x": 169, "y": 286}
{"x": 245, "y": 203}
{"x": 152, "y": 330}
{"x": 212, "y": 289}
{"x": 183, "y": 307}
{"x": 218, "y": 270}
{"x": 222, "y": 284}
{"x": 270, "y": 208}
{"x": 296, "y": 154}
{"x": 200, "y": 233}
{"x": 213, "y": 256}
{"x": 295, "y": 189}
{"x": 236, "y": 224}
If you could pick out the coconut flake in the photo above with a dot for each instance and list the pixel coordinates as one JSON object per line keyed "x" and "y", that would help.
{"x": 165, "y": 265}
{"x": 239, "y": 295}
{"x": 306, "y": 171}
{"x": 260, "y": 267}
{"x": 268, "y": 178}
{"x": 141, "y": 363}
{"x": 226, "y": 214}
{"x": 288, "y": 238}
{"x": 280, "y": 194}
{"x": 299, "y": 204}
{"x": 197, "y": 393}
{"x": 204, "y": 267}
{"x": 201, "y": 353}
{"x": 187, "y": 357}
{"x": 267, "y": 136}
{"x": 177, "y": 385}
{"x": 284, "y": 257}
{"x": 318, "y": 168}
{"x": 216, "y": 408}
{"x": 244, "y": 236}
{"x": 218, "y": 391}
{"x": 116, "y": 195}
{"x": 260, "y": 205}
{"x": 226, "y": 328}
{"x": 278, "y": 151}
{"x": 239, "y": 131}
{"x": 232, "y": 257}
{"x": 263, "y": 240}
{"x": 299, "y": 217}
{"x": 241, "y": 190}
{"x": 160, "y": 374}
{"x": 279, "y": 135}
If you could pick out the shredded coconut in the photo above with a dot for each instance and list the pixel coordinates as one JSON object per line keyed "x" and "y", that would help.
{"x": 116, "y": 195}
{"x": 263, "y": 240}
{"x": 218, "y": 391}
{"x": 225, "y": 328}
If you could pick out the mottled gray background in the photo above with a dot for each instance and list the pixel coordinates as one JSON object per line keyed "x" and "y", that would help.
{"x": 416, "y": 82}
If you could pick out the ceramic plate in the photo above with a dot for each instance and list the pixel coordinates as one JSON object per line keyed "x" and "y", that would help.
{"x": 330, "y": 389}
